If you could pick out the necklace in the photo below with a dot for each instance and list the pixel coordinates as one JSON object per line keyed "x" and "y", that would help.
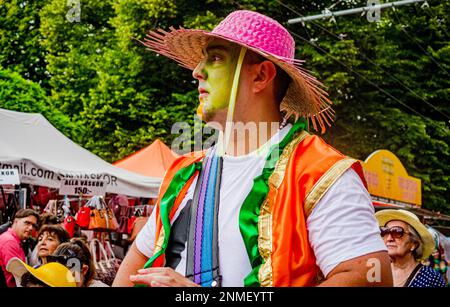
{"x": 409, "y": 271}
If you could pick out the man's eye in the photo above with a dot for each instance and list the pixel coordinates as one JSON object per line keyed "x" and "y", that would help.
{"x": 215, "y": 58}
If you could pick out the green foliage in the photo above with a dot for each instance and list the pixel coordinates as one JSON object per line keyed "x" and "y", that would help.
{"x": 20, "y": 39}
{"x": 390, "y": 89}
{"x": 19, "y": 94}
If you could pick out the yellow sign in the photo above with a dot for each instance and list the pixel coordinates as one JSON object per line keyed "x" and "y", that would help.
{"x": 387, "y": 177}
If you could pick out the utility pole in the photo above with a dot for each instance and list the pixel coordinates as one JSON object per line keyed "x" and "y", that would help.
{"x": 370, "y": 8}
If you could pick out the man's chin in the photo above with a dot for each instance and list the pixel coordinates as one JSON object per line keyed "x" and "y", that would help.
{"x": 214, "y": 119}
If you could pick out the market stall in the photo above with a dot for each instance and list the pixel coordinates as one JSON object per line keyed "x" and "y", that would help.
{"x": 152, "y": 160}
{"x": 42, "y": 169}
{"x": 44, "y": 156}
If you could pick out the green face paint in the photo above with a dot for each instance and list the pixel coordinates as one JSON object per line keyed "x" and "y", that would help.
{"x": 216, "y": 73}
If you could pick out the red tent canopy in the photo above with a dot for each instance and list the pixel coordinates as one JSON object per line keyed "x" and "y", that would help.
{"x": 152, "y": 160}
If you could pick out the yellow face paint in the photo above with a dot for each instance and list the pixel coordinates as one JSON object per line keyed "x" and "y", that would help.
{"x": 215, "y": 74}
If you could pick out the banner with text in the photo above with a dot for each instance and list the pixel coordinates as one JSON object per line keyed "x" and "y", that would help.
{"x": 387, "y": 178}
{"x": 82, "y": 187}
{"x": 9, "y": 176}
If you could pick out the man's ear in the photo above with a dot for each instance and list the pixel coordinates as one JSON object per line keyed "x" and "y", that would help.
{"x": 265, "y": 72}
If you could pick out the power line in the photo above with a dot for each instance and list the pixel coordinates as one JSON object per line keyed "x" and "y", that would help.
{"x": 355, "y": 72}
{"x": 420, "y": 46}
{"x": 368, "y": 59}
{"x": 367, "y": 80}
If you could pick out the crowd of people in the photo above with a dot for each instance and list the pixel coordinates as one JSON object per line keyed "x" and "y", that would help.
{"x": 50, "y": 259}
{"x": 414, "y": 260}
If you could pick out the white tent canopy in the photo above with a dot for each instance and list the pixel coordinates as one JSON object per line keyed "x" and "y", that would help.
{"x": 44, "y": 156}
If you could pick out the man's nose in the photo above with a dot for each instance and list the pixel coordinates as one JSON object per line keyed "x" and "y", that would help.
{"x": 198, "y": 71}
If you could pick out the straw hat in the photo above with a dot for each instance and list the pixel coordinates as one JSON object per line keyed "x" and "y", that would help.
{"x": 305, "y": 96}
{"x": 53, "y": 274}
{"x": 385, "y": 216}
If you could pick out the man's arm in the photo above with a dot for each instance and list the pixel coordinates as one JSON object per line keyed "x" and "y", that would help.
{"x": 133, "y": 261}
{"x": 371, "y": 270}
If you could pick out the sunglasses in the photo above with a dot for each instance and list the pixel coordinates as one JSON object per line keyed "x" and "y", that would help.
{"x": 396, "y": 232}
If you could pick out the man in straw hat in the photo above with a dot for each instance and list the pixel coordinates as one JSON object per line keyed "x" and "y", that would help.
{"x": 284, "y": 210}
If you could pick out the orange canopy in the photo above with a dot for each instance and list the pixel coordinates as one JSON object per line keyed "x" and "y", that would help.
{"x": 152, "y": 160}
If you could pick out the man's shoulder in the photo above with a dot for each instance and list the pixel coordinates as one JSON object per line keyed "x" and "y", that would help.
{"x": 316, "y": 144}
{"x": 6, "y": 239}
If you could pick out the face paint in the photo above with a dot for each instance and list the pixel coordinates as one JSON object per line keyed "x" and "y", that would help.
{"x": 215, "y": 74}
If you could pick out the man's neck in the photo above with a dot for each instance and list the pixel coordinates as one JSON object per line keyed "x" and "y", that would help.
{"x": 256, "y": 120}
{"x": 251, "y": 136}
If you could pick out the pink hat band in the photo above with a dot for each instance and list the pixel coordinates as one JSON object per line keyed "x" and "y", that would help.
{"x": 258, "y": 31}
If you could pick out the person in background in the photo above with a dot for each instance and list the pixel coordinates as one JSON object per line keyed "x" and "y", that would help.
{"x": 48, "y": 219}
{"x": 29, "y": 281}
{"x": 44, "y": 219}
{"x": 438, "y": 263}
{"x": 47, "y": 275}
{"x": 25, "y": 221}
{"x": 408, "y": 242}
{"x": 76, "y": 249}
{"x": 49, "y": 238}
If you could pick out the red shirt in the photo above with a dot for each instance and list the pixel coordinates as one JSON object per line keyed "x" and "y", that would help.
{"x": 10, "y": 246}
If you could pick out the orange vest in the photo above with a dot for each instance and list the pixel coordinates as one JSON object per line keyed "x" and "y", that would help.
{"x": 304, "y": 172}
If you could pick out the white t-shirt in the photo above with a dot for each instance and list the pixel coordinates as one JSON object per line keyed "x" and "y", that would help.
{"x": 342, "y": 226}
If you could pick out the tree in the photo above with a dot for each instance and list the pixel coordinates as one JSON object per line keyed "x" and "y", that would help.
{"x": 20, "y": 39}
{"x": 19, "y": 94}
{"x": 389, "y": 81}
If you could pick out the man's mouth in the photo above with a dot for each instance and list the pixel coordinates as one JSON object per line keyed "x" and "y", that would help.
{"x": 202, "y": 92}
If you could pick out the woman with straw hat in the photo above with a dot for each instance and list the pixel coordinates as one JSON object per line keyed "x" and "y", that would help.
{"x": 408, "y": 242}
{"x": 269, "y": 204}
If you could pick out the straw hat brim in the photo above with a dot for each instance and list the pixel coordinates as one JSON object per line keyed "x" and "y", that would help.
{"x": 385, "y": 216}
{"x": 45, "y": 273}
{"x": 305, "y": 96}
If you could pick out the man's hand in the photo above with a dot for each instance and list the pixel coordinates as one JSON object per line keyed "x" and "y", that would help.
{"x": 161, "y": 277}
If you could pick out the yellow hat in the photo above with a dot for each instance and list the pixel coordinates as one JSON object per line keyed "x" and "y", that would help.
{"x": 53, "y": 274}
{"x": 385, "y": 216}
